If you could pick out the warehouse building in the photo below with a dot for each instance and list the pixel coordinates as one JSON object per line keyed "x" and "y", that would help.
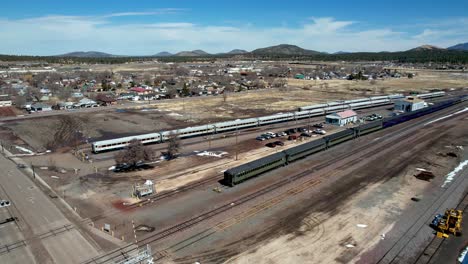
{"x": 410, "y": 104}
{"x": 341, "y": 118}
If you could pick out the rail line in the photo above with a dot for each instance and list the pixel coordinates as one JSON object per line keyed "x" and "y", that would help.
{"x": 223, "y": 208}
{"x": 436, "y": 243}
{"x": 430, "y": 209}
{"x": 22, "y": 243}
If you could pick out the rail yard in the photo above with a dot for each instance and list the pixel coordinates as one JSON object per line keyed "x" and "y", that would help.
{"x": 281, "y": 184}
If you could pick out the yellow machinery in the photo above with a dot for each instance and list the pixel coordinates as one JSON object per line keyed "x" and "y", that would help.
{"x": 449, "y": 223}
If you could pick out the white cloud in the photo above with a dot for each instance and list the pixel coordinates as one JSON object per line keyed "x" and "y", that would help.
{"x": 146, "y": 13}
{"x": 56, "y": 34}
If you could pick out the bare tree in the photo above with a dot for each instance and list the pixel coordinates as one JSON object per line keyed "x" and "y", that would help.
{"x": 173, "y": 146}
{"x": 134, "y": 153}
{"x": 181, "y": 71}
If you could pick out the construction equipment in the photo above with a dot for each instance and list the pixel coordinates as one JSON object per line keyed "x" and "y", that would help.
{"x": 449, "y": 223}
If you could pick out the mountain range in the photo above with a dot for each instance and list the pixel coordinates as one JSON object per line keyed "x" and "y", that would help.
{"x": 282, "y": 49}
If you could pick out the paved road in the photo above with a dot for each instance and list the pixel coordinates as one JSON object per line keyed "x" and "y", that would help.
{"x": 44, "y": 233}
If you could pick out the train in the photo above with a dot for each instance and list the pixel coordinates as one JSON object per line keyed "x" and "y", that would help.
{"x": 304, "y": 112}
{"x": 254, "y": 168}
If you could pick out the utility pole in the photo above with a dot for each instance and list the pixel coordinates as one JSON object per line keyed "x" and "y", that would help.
{"x": 34, "y": 174}
{"x": 237, "y": 141}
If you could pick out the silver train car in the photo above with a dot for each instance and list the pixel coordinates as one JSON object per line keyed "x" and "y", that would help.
{"x": 322, "y": 109}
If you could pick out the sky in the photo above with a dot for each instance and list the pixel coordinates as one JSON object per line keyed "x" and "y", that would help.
{"x": 146, "y": 27}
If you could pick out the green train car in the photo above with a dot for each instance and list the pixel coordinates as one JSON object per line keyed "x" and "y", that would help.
{"x": 246, "y": 171}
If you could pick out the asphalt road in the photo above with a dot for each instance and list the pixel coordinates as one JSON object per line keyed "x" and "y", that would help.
{"x": 42, "y": 233}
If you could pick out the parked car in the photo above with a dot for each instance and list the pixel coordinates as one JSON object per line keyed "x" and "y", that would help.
{"x": 21, "y": 166}
{"x": 281, "y": 134}
{"x": 301, "y": 129}
{"x": 271, "y": 145}
{"x": 319, "y": 125}
{"x": 292, "y": 137}
{"x": 271, "y": 134}
{"x": 260, "y": 138}
{"x": 319, "y": 131}
{"x": 306, "y": 135}
{"x": 279, "y": 143}
{"x": 266, "y": 136}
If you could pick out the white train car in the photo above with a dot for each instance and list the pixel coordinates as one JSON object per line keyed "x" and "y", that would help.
{"x": 360, "y": 100}
{"x": 430, "y": 95}
{"x": 239, "y": 123}
{"x": 119, "y": 143}
{"x": 395, "y": 96}
{"x": 374, "y": 98}
{"x": 189, "y": 132}
{"x": 312, "y": 107}
{"x": 336, "y": 108}
{"x": 307, "y": 114}
{"x": 265, "y": 120}
{"x": 381, "y": 102}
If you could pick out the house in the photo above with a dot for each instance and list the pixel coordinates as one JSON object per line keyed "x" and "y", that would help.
{"x": 5, "y": 100}
{"x": 40, "y": 107}
{"x": 341, "y": 118}
{"x": 65, "y": 105}
{"x": 410, "y": 104}
{"x": 138, "y": 90}
{"x": 85, "y": 102}
{"x": 104, "y": 99}
{"x": 77, "y": 95}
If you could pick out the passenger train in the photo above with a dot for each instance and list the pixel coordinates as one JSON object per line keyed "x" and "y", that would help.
{"x": 304, "y": 112}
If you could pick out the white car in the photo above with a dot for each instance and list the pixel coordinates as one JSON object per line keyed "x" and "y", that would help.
{"x": 320, "y": 131}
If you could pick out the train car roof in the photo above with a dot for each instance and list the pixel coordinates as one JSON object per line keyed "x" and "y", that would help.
{"x": 125, "y": 139}
{"x": 305, "y": 146}
{"x": 256, "y": 163}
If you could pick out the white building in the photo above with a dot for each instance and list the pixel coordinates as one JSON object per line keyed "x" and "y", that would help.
{"x": 341, "y": 118}
{"x": 5, "y": 100}
{"x": 409, "y": 104}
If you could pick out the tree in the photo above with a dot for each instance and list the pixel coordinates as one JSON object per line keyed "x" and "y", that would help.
{"x": 173, "y": 146}
{"x": 134, "y": 153}
{"x": 410, "y": 76}
{"x": 186, "y": 90}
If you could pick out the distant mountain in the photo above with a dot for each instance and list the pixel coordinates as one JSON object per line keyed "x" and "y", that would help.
{"x": 284, "y": 49}
{"x": 163, "y": 54}
{"x": 341, "y": 52}
{"x": 427, "y": 48}
{"x": 237, "y": 51}
{"x": 87, "y": 54}
{"x": 461, "y": 46}
{"x": 193, "y": 53}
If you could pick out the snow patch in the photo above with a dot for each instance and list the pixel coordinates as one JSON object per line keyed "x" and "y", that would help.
{"x": 212, "y": 154}
{"x": 462, "y": 256}
{"x": 361, "y": 226}
{"x": 24, "y": 149}
{"x": 174, "y": 114}
{"x": 451, "y": 176}
{"x": 447, "y": 116}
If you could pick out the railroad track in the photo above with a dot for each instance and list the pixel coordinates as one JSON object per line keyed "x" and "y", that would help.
{"x": 113, "y": 255}
{"x": 401, "y": 244}
{"x": 431, "y": 249}
{"x": 23, "y": 243}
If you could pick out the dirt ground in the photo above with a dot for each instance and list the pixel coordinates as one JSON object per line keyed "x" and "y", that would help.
{"x": 38, "y": 133}
{"x": 343, "y": 234}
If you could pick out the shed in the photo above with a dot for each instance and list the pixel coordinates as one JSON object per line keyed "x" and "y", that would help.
{"x": 40, "y": 107}
{"x": 5, "y": 100}
{"x": 341, "y": 118}
{"x": 410, "y": 104}
{"x": 105, "y": 99}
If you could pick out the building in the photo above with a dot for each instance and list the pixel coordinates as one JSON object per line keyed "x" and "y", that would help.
{"x": 5, "y": 100}
{"x": 105, "y": 99}
{"x": 341, "y": 118}
{"x": 410, "y": 104}
{"x": 40, "y": 107}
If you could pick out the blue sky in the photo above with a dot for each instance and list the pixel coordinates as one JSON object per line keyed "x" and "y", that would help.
{"x": 147, "y": 27}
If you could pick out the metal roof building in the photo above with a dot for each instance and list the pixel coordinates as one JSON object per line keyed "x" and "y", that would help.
{"x": 341, "y": 118}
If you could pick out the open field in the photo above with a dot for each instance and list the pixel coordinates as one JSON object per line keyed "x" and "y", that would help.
{"x": 168, "y": 114}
